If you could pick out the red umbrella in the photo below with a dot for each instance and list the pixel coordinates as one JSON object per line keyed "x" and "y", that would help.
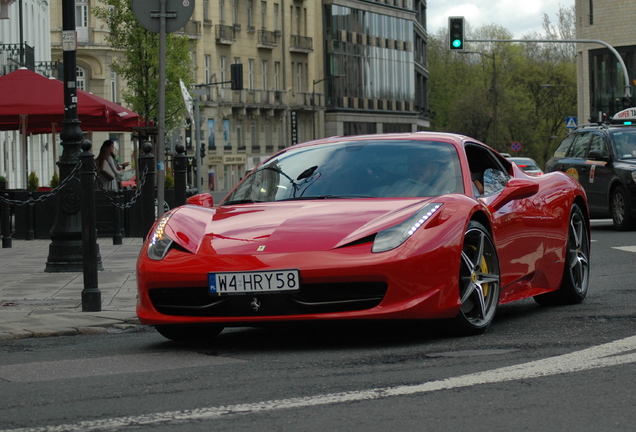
{"x": 35, "y": 104}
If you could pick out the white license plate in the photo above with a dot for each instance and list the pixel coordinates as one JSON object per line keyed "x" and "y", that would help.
{"x": 254, "y": 282}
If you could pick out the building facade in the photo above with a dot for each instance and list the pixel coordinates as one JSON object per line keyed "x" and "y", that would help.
{"x": 25, "y": 42}
{"x": 310, "y": 69}
{"x": 376, "y": 74}
{"x": 601, "y": 80}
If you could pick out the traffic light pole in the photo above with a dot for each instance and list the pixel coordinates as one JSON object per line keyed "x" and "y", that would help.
{"x": 628, "y": 87}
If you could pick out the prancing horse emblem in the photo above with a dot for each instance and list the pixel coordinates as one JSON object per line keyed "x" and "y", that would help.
{"x": 256, "y": 304}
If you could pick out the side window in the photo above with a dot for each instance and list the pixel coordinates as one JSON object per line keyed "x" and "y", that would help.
{"x": 562, "y": 150}
{"x": 487, "y": 173}
{"x": 597, "y": 143}
{"x": 579, "y": 148}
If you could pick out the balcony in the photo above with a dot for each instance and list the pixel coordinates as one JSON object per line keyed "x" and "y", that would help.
{"x": 192, "y": 29}
{"x": 10, "y": 57}
{"x": 224, "y": 34}
{"x": 301, "y": 44}
{"x": 266, "y": 39}
{"x": 246, "y": 98}
{"x": 53, "y": 69}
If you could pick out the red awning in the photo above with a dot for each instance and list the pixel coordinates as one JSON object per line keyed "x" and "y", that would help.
{"x": 39, "y": 101}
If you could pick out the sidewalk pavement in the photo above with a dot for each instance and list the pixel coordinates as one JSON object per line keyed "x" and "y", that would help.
{"x": 38, "y": 304}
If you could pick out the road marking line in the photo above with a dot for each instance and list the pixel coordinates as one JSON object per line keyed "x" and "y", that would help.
{"x": 600, "y": 356}
{"x": 626, "y": 248}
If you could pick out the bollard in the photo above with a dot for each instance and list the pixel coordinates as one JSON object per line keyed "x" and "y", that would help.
{"x": 91, "y": 295}
{"x": 148, "y": 210}
{"x": 117, "y": 237}
{"x": 180, "y": 164}
{"x": 29, "y": 234}
{"x": 5, "y": 221}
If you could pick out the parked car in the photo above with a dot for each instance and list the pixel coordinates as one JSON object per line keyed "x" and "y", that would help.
{"x": 529, "y": 165}
{"x": 129, "y": 179}
{"x": 602, "y": 157}
{"x": 399, "y": 226}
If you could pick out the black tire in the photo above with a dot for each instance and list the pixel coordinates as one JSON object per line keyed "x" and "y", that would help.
{"x": 576, "y": 272}
{"x": 479, "y": 282}
{"x": 189, "y": 332}
{"x": 621, "y": 210}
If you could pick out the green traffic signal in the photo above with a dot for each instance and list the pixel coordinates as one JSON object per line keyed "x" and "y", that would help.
{"x": 456, "y": 32}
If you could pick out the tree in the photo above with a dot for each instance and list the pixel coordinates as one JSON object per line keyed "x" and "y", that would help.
{"x": 139, "y": 63}
{"x": 503, "y": 92}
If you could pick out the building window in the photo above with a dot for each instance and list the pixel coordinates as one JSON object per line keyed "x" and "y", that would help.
{"x": 207, "y": 59}
{"x": 255, "y": 145}
{"x": 113, "y": 87}
{"x": 235, "y": 12}
{"x": 81, "y": 20}
{"x": 81, "y": 78}
{"x": 206, "y": 14}
{"x": 277, "y": 76}
{"x": 221, "y": 11}
{"x": 264, "y": 74}
{"x": 299, "y": 77}
{"x": 222, "y": 70}
{"x": 276, "y": 17}
{"x": 250, "y": 21}
{"x": 250, "y": 74}
{"x": 239, "y": 135}
{"x": 263, "y": 14}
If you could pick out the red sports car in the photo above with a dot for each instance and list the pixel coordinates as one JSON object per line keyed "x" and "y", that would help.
{"x": 411, "y": 226}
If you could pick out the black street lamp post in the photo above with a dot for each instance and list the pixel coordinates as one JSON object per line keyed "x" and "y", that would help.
{"x": 65, "y": 250}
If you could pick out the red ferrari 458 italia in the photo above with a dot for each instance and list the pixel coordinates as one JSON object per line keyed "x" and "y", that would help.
{"x": 411, "y": 226}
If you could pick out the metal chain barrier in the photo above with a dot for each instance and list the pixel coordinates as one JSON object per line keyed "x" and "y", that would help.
{"x": 72, "y": 176}
{"x": 108, "y": 193}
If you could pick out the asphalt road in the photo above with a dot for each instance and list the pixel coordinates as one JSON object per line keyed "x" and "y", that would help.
{"x": 537, "y": 369}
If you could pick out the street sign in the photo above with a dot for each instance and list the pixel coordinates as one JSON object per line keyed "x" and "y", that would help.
{"x": 515, "y": 146}
{"x": 570, "y": 122}
{"x": 178, "y": 12}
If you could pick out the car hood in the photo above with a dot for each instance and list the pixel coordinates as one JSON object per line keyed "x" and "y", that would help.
{"x": 284, "y": 227}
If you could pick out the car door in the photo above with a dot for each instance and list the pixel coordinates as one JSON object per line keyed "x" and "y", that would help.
{"x": 597, "y": 174}
{"x": 573, "y": 162}
{"x": 518, "y": 226}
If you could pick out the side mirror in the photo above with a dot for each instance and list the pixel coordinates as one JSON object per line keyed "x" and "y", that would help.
{"x": 514, "y": 190}
{"x": 203, "y": 200}
{"x": 597, "y": 155}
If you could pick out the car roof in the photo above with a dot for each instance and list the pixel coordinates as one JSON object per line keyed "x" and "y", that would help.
{"x": 520, "y": 159}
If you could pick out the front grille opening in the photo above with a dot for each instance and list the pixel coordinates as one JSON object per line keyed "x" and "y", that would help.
{"x": 311, "y": 299}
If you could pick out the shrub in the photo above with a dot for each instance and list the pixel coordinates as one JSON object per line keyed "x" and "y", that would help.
{"x": 34, "y": 182}
{"x": 55, "y": 180}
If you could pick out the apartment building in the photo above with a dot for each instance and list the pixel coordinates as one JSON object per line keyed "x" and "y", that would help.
{"x": 601, "y": 79}
{"x": 375, "y": 66}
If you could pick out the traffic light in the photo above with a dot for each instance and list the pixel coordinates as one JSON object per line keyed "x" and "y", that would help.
{"x": 236, "y": 76}
{"x": 456, "y": 33}
{"x": 627, "y": 102}
{"x": 202, "y": 150}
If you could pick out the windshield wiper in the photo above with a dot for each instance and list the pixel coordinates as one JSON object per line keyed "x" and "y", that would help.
{"x": 318, "y": 197}
{"x": 242, "y": 201}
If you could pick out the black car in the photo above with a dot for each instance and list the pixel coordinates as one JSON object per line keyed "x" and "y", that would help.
{"x": 602, "y": 157}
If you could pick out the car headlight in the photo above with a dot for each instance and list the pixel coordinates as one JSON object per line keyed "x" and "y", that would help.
{"x": 391, "y": 238}
{"x": 160, "y": 243}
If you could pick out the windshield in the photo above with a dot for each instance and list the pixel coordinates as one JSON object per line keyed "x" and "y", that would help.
{"x": 391, "y": 168}
{"x": 127, "y": 175}
{"x": 625, "y": 144}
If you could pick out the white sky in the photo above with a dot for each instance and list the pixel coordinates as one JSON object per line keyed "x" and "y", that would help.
{"x": 518, "y": 16}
